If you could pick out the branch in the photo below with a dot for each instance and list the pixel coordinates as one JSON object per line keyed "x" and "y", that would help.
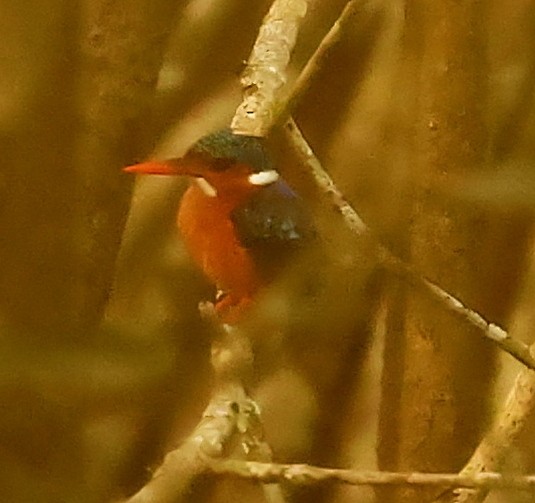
{"x": 317, "y": 60}
{"x": 265, "y": 73}
{"x": 222, "y": 421}
{"x": 258, "y": 65}
{"x": 514, "y": 415}
{"x": 306, "y": 475}
{"x": 514, "y": 347}
{"x": 230, "y": 425}
{"x": 491, "y": 452}
{"x": 500, "y": 337}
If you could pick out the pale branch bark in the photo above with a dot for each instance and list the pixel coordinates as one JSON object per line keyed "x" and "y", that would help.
{"x": 497, "y": 443}
{"x": 301, "y": 147}
{"x": 500, "y": 337}
{"x": 225, "y": 419}
{"x": 301, "y": 474}
{"x": 263, "y": 106}
{"x": 513, "y": 417}
{"x": 265, "y": 74}
{"x": 516, "y": 348}
{"x": 230, "y": 425}
{"x": 232, "y": 360}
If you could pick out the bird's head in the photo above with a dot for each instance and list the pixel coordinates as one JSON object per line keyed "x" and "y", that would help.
{"x": 222, "y": 163}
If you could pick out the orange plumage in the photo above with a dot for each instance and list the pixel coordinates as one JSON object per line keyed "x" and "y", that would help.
{"x": 239, "y": 221}
{"x": 211, "y": 239}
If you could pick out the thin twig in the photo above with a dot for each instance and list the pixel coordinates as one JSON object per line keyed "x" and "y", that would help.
{"x": 500, "y": 337}
{"x": 265, "y": 74}
{"x": 316, "y": 61}
{"x": 300, "y": 474}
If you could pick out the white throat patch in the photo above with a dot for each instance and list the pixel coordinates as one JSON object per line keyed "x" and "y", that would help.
{"x": 264, "y": 177}
{"x": 207, "y": 188}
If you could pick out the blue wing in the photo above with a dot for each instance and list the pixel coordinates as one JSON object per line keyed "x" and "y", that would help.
{"x": 273, "y": 224}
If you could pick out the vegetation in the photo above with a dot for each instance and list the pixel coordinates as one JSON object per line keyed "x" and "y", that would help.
{"x": 391, "y": 350}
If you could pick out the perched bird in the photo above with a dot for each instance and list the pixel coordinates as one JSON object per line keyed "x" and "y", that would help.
{"x": 240, "y": 221}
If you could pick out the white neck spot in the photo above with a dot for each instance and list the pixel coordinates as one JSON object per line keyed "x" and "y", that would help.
{"x": 264, "y": 177}
{"x": 207, "y": 189}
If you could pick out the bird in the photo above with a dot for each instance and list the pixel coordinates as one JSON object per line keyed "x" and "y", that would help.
{"x": 240, "y": 221}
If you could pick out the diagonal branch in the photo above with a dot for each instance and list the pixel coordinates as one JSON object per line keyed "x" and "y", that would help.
{"x": 498, "y": 442}
{"x": 517, "y": 411}
{"x": 500, "y": 337}
{"x": 265, "y": 74}
{"x": 316, "y": 61}
{"x": 276, "y": 46}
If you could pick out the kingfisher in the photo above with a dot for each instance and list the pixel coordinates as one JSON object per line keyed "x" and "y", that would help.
{"x": 239, "y": 220}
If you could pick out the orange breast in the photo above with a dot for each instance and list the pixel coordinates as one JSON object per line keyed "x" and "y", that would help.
{"x": 210, "y": 238}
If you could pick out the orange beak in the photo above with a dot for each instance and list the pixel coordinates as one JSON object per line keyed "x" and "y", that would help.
{"x": 176, "y": 167}
{"x": 155, "y": 168}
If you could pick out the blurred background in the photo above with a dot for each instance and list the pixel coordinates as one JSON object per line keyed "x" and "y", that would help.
{"x": 422, "y": 114}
